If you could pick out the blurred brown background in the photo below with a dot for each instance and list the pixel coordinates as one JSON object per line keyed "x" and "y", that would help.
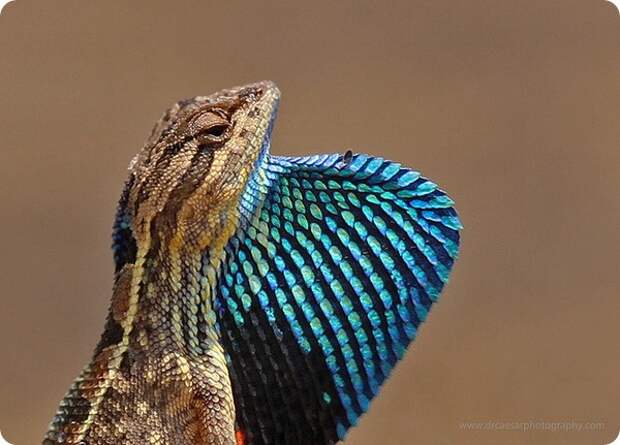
{"x": 511, "y": 106}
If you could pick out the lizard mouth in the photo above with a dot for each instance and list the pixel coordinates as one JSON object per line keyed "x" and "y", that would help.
{"x": 255, "y": 90}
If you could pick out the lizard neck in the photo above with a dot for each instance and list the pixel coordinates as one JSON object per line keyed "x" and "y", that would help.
{"x": 175, "y": 283}
{"x": 175, "y": 272}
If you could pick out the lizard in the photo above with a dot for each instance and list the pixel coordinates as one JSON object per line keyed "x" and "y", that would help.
{"x": 257, "y": 299}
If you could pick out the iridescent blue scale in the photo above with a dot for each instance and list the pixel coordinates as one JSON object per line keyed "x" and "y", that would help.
{"x": 332, "y": 270}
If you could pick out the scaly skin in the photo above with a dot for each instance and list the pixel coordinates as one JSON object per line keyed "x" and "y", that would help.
{"x": 159, "y": 374}
{"x": 258, "y": 299}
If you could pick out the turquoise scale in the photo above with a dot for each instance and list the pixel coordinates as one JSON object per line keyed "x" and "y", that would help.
{"x": 326, "y": 281}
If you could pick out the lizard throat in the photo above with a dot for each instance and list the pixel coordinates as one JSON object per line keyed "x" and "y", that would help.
{"x": 175, "y": 296}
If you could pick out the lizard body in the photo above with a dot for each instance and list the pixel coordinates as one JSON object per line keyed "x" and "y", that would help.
{"x": 257, "y": 299}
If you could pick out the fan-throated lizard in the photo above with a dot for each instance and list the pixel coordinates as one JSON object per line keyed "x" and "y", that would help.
{"x": 257, "y": 299}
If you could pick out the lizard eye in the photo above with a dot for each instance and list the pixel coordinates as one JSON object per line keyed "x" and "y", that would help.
{"x": 210, "y": 125}
{"x": 212, "y": 136}
{"x": 216, "y": 130}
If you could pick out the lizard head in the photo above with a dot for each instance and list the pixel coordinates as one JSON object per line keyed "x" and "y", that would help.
{"x": 188, "y": 178}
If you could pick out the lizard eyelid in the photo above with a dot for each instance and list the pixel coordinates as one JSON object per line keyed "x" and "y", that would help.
{"x": 212, "y": 126}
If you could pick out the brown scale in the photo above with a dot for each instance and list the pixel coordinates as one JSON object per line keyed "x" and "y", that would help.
{"x": 148, "y": 381}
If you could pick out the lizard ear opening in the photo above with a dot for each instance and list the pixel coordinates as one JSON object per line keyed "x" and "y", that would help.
{"x": 325, "y": 287}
